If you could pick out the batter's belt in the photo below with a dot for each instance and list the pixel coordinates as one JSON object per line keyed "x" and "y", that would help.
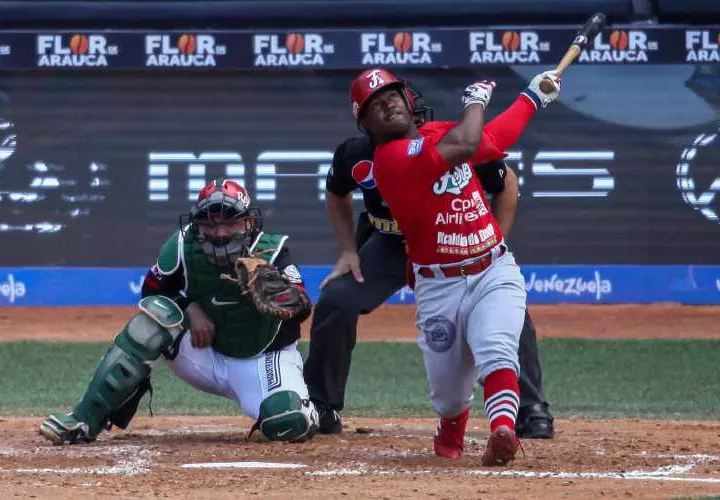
{"x": 475, "y": 266}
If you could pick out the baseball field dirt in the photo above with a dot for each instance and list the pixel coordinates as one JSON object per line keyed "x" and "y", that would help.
{"x": 208, "y": 457}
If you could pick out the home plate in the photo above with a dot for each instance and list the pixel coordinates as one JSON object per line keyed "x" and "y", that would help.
{"x": 242, "y": 465}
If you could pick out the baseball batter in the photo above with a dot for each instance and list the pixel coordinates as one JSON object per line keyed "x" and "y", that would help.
{"x": 469, "y": 291}
{"x": 235, "y": 337}
{"x": 372, "y": 266}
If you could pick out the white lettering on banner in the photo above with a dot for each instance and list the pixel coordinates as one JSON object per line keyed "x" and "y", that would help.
{"x": 298, "y": 49}
{"x": 74, "y": 50}
{"x": 623, "y": 46}
{"x": 12, "y": 289}
{"x": 406, "y": 48}
{"x": 515, "y": 47}
{"x": 602, "y": 181}
{"x": 190, "y": 50}
{"x": 701, "y": 46}
{"x": 208, "y": 164}
{"x": 717, "y": 283}
{"x": 686, "y": 183}
{"x": 136, "y": 286}
{"x": 575, "y": 285}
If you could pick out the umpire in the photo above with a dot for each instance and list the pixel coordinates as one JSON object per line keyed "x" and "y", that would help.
{"x": 371, "y": 268}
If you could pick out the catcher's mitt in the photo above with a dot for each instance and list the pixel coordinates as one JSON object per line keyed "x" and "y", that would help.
{"x": 270, "y": 293}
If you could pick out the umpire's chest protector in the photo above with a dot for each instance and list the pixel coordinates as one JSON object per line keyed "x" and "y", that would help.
{"x": 240, "y": 330}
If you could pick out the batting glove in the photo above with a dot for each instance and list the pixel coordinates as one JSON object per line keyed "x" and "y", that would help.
{"x": 478, "y": 93}
{"x": 539, "y": 97}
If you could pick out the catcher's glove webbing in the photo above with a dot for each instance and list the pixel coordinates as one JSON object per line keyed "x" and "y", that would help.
{"x": 270, "y": 293}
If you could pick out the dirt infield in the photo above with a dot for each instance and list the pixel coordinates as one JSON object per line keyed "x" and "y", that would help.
{"x": 162, "y": 457}
{"x": 93, "y": 324}
{"x": 374, "y": 458}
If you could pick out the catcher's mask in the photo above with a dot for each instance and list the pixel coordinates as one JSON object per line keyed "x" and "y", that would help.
{"x": 222, "y": 223}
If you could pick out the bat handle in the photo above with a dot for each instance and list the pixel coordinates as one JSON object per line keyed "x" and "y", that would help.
{"x": 571, "y": 54}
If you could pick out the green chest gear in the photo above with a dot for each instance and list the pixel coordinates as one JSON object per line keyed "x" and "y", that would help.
{"x": 240, "y": 330}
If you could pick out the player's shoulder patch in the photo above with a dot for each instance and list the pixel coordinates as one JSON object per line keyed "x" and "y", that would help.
{"x": 292, "y": 274}
{"x": 415, "y": 146}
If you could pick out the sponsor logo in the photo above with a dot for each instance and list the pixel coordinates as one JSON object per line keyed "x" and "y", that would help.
{"x": 463, "y": 210}
{"x": 217, "y": 302}
{"x": 292, "y": 274}
{"x": 184, "y": 50}
{"x": 717, "y": 284}
{"x": 453, "y": 181}
{"x": 574, "y": 286}
{"x": 297, "y": 49}
{"x": 623, "y": 46}
{"x": 404, "y": 48}
{"x": 415, "y": 146}
{"x": 466, "y": 240}
{"x": 12, "y": 289}
{"x": 362, "y": 173}
{"x": 702, "y": 46}
{"x": 512, "y": 47}
{"x": 76, "y": 50}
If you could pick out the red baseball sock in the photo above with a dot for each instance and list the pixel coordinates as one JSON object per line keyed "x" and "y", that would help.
{"x": 502, "y": 398}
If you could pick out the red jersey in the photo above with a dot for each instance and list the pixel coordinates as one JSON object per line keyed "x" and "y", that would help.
{"x": 441, "y": 209}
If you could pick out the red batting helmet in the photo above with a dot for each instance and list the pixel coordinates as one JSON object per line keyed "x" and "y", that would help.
{"x": 371, "y": 81}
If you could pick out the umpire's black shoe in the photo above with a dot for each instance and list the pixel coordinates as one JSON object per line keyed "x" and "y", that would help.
{"x": 535, "y": 422}
{"x": 330, "y": 422}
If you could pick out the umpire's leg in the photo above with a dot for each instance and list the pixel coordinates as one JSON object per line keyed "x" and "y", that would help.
{"x": 334, "y": 324}
{"x": 534, "y": 419}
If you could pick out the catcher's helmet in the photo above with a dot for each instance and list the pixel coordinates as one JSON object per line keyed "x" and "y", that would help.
{"x": 223, "y": 203}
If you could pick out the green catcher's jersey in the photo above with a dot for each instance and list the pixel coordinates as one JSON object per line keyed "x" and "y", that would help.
{"x": 240, "y": 330}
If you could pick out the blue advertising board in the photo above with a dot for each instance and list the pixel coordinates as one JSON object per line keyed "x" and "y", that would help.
{"x": 601, "y": 284}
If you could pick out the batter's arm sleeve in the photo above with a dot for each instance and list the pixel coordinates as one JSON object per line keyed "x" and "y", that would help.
{"x": 504, "y": 204}
{"x": 505, "y": 129}
{"x": 492, "y": 175}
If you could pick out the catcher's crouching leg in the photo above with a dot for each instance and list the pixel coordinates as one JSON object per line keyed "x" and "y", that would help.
{"x": 122, "y": 377}
{"x": 285, "y": 416}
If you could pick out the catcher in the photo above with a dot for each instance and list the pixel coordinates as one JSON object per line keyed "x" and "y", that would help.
{"x": 223, "y": 306}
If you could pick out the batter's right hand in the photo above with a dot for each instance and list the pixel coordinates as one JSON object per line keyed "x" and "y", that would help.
{"x": 478, "y": 93}
{"x": 202, "y": 329}
{"x": 349, "y": 261}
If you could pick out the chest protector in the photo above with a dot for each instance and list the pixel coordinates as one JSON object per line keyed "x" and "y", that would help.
{"x": 240, "y": 330}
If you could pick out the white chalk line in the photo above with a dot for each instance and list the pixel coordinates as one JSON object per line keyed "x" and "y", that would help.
{"x": 661, "y": 474}
{"x": 132, "y": 460}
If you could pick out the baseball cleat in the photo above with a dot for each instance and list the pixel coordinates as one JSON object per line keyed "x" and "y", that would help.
{"x": 61, "y": 427}
{"x": 501, "y": 447}
{"x": 449, "y": 440}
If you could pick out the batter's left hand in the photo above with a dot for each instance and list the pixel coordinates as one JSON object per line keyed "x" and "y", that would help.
{"x": 538, "y": 96}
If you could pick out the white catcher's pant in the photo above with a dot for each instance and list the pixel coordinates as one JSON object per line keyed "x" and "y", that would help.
{"x": 246, "y": 381}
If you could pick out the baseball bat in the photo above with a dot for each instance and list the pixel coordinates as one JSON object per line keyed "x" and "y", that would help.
{"x": 585, "y": 35}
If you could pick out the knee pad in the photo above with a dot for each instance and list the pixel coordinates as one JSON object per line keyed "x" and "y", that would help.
{"x": 284, "y": 416}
